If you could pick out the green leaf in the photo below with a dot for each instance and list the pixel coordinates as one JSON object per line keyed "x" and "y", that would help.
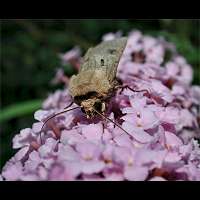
{"x": 19, "y": 109}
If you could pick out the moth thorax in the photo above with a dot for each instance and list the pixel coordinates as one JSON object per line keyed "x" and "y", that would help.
{"x": 90, "y": 105}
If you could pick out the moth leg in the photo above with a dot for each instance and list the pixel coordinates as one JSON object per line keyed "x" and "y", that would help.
{"x": 126, "y": 86}
{"x": 122, "y": 87}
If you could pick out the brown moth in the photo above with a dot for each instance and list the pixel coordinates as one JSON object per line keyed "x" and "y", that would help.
{"x": 96, "y": 80}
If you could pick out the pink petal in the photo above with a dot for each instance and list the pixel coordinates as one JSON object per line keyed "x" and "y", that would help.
{"x": 93, "y": 131}
{"x": 157, "y": 178}
{"x": 33, "y": 161}
{"x": 178, "y": 90}
{"x": 115, "y": 177}
{"x": 90, "y": 167}
{"x": 107, "y": 135}
{"x": 172, "y": 140}
{"x": 137, "y": 133}
{"x": 42, "y": 172}
{"x": 149, "y": 119}
{"x": 71, "y": 137}
{"x": 123, "y": 140}
{"x": 172, "y": 68}
{"x": 67, "y": 153}
{"x": 42, "y": 114}
{"x": 150, "y": 157}
{"x": 186, "y": 118}
{"x": 22, "y": 139}
{"x": 29, "y": 177}
{"x": 72, "y": 54}
{"x": 132, "y": 118}
{"x": 13, "y": 172}
{"x": 60, "y": 173}
{"x": 108, "y": 152}
{"x": 169, "y": 115}
{"x": 36, "y": 128}
{"x": 136, "y": 173}
{"x": 122, "y": 155}
{"x": 111, "y": 36}
{"x": 138, "y": 102}
{"x": 48, "y": 147}
{"x": 88, "y": 150}
{"x": 185, "y": 150}
{"x": 21, "y": 153}
{"x": 172, "y": 157}
{"x": 74, "y": 166}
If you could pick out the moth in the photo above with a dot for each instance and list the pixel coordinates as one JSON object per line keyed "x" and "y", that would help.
{"x": 96, "y": 81}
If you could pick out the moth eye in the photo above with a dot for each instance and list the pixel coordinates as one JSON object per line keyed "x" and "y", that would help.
{"x": 98, "y": 106}
{"x": 78, "y": 99}
{"x": 90, "y": 94}
{"x": 82, "y": 109}
{"x": 102, "y": 62}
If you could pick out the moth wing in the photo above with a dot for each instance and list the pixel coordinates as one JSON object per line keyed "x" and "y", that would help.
{"x": 105, "y": 56}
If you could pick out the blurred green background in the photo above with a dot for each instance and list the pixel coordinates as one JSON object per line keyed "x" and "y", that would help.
{"x": 29, "y": 57}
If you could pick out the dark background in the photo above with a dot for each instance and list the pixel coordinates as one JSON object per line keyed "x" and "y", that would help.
{"x": 29, "y": 57}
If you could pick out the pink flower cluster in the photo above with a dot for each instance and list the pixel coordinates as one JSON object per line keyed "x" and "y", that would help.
{"x": 161, "y": 121}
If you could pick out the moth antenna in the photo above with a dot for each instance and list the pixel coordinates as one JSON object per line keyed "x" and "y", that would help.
{"x": 110, "y": 120}
{"x": 69, "y": 105}
{"x": 64, "y": 111}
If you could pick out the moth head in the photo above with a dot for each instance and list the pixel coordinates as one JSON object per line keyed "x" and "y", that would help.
{"x": 90, "y": 105}
{"x": 90, "y": 102}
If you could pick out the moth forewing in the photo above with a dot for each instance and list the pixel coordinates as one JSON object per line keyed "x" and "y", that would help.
{"x": 105, "y": 56}
{"x": 97, "y": 76}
